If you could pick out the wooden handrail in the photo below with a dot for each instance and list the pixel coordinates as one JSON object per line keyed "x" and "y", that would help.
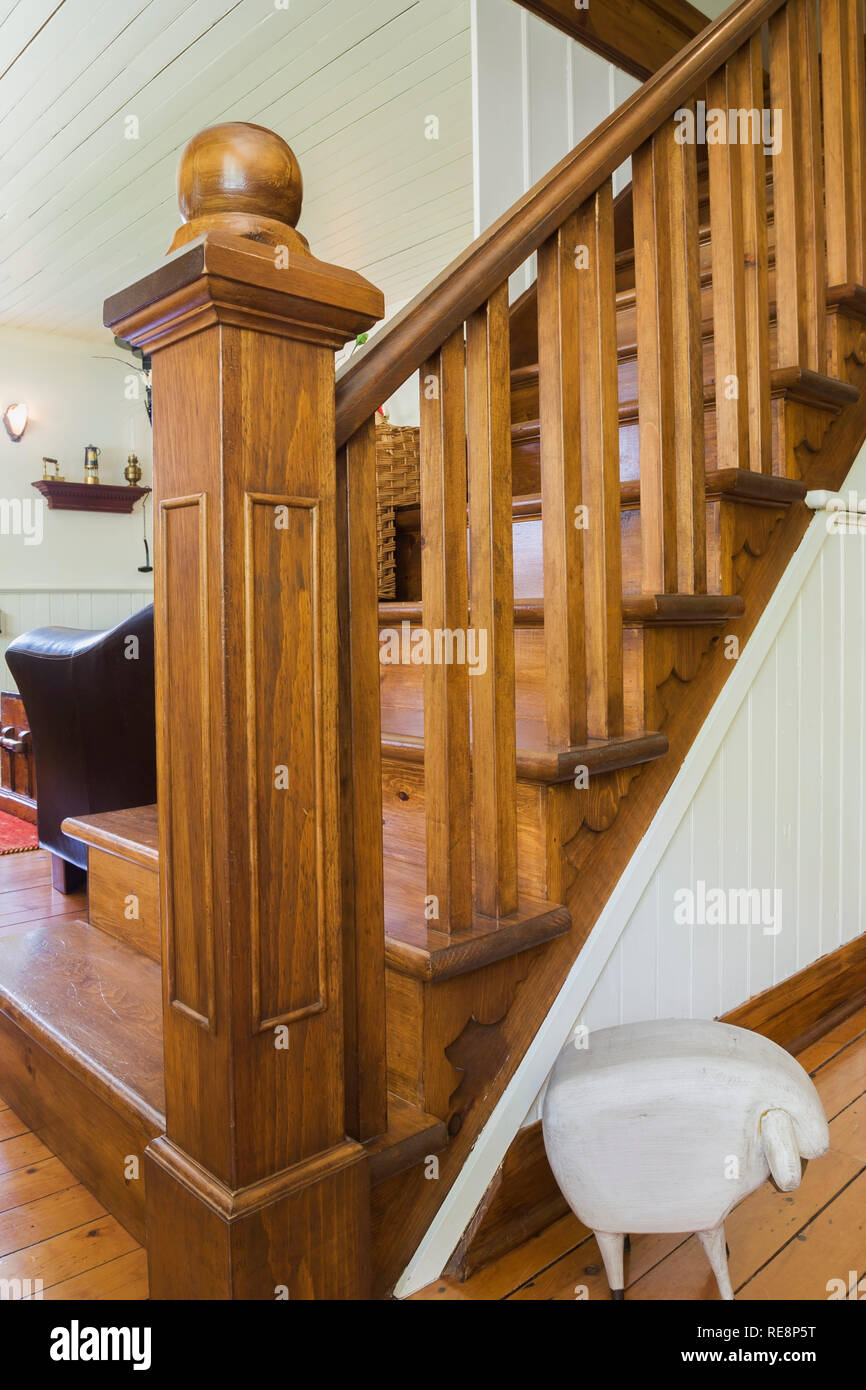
{"x": 421, "y": 328}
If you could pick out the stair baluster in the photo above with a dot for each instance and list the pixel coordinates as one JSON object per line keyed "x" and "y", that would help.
{"x": 561, "y": 484}
{"x": 494, "y": 740}
{"x": 669, "y": 365}
{"x": 811, "y": 186}
{"x": 360, "y": 759}
{"x": 445, "y": 595}
{"x": 729, "y": 169}
{"x": 798, "y": 188}
{"x": 746, "y": 93}
{"x": 599, "y": 453}
{"x": 843, "y": 74}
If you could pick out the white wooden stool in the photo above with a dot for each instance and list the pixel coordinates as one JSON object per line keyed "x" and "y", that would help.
{"x": 666, "y": 1126}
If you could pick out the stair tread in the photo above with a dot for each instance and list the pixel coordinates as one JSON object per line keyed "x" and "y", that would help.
{"x": 802, "y": 384}
{"x": 93, "y": 1004}
{"x": 680, "y": 610}
{"x": 403, "y": 741}
{"x": 415, "y": 947}
{"x": 795, "y": 383}
{"x": 663, "y": 609}
{"x": 813, "y": 388}
{"x": 411, "y": 1135}
{"x": 393, "y": 611}
{"x": 851, "y": 296}
{"x": 761, "y": 488}
{"x": 133, "y": 833}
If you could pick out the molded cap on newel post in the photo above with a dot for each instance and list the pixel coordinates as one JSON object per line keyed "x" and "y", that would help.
{"x": 238, "y": 257}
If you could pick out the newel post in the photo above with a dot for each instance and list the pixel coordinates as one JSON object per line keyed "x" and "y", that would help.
{"x": 255, "y": 1190}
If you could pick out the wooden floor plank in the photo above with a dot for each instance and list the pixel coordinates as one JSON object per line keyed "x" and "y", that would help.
{"x": 756, "y": 1229}
{"x": 26, "y": 1184}
{"x": 35, "y": 903}
{"x": 73, "y": 1252}
{"x": 832, "y": 1245}
{"x": 20, "y": 870}
{"x": 53, "y": 1229}
{"x": 502, "y": 1276}
{"x": 841, "y": 1080}
{"x": 848, "y": 1130}
{"x": 10, "y": 1125}
{"x": 47, "y": 1217}
{"x": 831, "y": 1043}
{"x": 59, "y": 920}
{"x": 21, "y": 1152}
{"x": 579, "y": 1275}
{"x": 583, "y": 1269}
{"x": 124, "y": 1279}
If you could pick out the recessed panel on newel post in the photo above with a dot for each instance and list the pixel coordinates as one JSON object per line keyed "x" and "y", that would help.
{"x": 242, "y": 323}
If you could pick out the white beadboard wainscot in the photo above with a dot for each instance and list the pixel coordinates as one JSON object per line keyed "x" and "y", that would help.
{"x": 23, "y": 609}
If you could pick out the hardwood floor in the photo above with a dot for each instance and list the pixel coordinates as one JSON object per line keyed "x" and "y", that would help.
{"x": 783, "y": 1246}
{"x": 51, "y": 1228}
{"x": 27, "y": 899}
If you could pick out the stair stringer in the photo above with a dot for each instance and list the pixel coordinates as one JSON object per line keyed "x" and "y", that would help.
{"x": 799, "y": 546}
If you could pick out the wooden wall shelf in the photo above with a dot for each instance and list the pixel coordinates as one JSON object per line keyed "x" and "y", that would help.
{"x": 88, "y": 497}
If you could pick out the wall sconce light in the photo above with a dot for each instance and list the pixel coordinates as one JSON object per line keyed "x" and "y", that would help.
{"x": 15, "y": 419}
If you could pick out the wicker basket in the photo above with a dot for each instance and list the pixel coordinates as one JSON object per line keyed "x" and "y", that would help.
{"x": 398, "y": 484}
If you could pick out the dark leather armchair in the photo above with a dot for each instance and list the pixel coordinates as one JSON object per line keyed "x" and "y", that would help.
{"x": 90, "y": 703}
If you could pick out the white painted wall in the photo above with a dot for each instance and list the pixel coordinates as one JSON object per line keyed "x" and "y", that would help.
{"x": 536, "y": 94}
{"x": 75, "y": 398}
{"x": 23, "y": 609}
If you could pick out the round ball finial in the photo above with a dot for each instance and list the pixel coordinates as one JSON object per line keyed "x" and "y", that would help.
{"x": 240, "y": 178}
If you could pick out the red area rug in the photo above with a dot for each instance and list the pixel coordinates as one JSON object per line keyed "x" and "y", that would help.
{"x": 16, "y": 835}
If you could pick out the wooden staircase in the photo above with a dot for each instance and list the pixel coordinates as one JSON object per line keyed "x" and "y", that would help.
{"x": 305, "y": 982}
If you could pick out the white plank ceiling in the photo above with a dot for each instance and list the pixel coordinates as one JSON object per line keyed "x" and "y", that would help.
{"x": 84, "y": 210}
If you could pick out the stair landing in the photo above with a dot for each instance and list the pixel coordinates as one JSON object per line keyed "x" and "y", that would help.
{"x": 94, "y": 1005}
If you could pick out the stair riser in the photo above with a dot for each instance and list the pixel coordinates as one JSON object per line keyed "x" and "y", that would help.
{"x": 402, "y": 697}
{"x": 729, "y": 524}
{"x": 525, "y": 450}
{"x": 626, "y": 314}
{"x": 724, "y": 518}
{"x": 94, "y": 1140}
{"x": 402, "y": 687}
{"x": 123, "y": 900}
{"x": 527, "y": 545}
{"x": 524, "y": 389}
{"x": 427, "y": 1025}
{"x": 790, "y": 426}
{"x": 404, "y": 825}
